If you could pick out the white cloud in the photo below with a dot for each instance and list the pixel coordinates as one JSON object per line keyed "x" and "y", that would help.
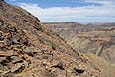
{"x": 103, "y": 13}
{"x": 100, "y": 1}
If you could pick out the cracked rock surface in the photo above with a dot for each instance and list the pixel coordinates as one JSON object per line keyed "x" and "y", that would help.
{"x": 28, "y": 49}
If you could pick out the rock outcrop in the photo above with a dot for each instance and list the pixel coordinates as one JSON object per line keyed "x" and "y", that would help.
{"x": 101, "y": 43}
{"x": 96, "y": 38}
{"x": 28, "y": 49}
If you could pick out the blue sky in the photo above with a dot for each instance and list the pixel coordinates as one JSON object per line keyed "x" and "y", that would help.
{"x": 55, "y": 3}
{"x": 69, "y": 10}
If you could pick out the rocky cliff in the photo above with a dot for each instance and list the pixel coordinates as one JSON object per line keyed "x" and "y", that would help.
{"x": 101, "y": 43}
{"x": 28, "y": 49}
{"x": 96, "y": 38}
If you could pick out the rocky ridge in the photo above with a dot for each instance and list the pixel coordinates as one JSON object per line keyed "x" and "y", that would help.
{"x": 28, "y": 49}
{"x": 96, "y": 38}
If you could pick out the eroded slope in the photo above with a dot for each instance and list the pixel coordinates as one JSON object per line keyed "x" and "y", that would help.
{"x": 28, "y": 49}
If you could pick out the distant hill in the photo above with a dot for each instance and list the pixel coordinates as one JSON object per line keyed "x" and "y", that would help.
{"x": 112, "y": 24}
{"x": 72, "y": 28}
{"x": 100, "y": 42}
{"x": 85, "y": 37}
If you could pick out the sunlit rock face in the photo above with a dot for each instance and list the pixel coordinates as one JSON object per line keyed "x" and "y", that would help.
{"x": 28, "y": 49}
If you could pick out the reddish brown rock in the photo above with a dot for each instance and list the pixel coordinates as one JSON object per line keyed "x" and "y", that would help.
{"x": 28, "y": 49}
